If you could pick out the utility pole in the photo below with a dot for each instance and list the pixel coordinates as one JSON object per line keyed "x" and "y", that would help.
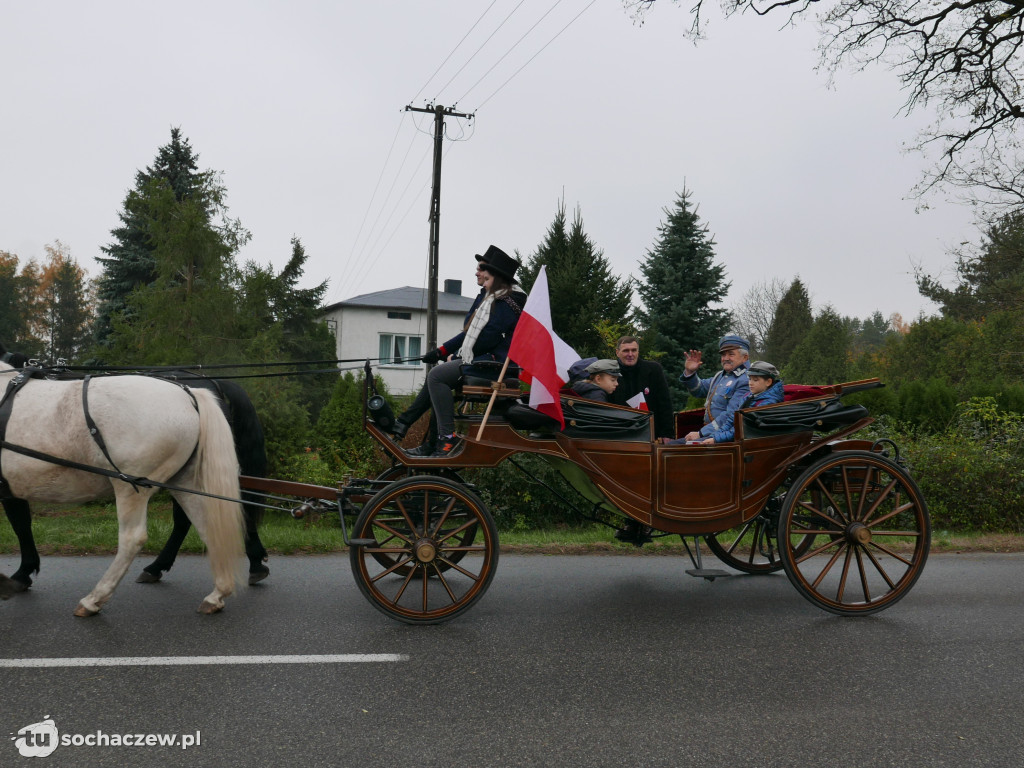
{"x": 435, "y": 214}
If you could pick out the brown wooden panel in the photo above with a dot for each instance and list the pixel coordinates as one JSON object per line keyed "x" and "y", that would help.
{"x": 698, "y": 482}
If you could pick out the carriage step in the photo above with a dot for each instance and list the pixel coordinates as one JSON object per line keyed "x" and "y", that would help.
{"x": 362, "y": 542}
{"x": 707, "y": 573}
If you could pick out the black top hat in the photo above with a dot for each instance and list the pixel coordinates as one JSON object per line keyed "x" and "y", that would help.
{"x": 499, "y": 263}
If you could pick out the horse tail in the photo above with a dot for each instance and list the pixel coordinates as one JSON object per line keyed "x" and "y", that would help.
{"x": 217, "y": 473}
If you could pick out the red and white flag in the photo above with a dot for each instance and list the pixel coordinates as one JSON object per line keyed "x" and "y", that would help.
{"x": 544, "y": 358}
{"x": 638, "y": 401}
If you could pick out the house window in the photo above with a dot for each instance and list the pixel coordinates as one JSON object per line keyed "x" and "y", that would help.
{"x": 399, "y": 315}
{"x": 400, "y": 350}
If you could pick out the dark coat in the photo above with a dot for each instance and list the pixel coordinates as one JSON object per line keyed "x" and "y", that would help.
{"x": 648, "y": 377}
{"x": 590, "y": 390}
{"x": 495, "y": 337}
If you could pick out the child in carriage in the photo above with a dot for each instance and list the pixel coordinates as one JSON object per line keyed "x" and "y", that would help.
{"x": 765, "y": 389}
{"x": 602, "y": 379}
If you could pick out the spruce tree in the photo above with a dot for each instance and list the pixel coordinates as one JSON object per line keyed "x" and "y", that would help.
{"x": 167, "y": 294}
{"x": 680, "y": 289}
{"x": 792, "y": 322}
{"x": 130, "y": 262}
{"x": 990, "y": 276}
{"x": 585, "y": 296}
{"x": 823, "y": 355}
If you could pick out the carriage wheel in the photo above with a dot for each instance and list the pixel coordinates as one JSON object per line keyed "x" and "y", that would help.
{"x": 419, "y": 524}
{"x": 752, "y": 547}
{"x": 749, "y": 547}
{"x": 869, "y": 531}
{"x": 399, "y": 471}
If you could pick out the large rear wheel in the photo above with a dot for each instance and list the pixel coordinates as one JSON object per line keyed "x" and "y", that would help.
{"x": 854, "y": 533}
{"x": 416, "y": 528}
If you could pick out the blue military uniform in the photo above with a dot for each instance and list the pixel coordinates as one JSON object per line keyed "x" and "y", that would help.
{"x": 725, "y": 393}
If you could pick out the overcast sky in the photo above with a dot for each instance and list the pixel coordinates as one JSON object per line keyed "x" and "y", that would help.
{"x": 300, "y": 105}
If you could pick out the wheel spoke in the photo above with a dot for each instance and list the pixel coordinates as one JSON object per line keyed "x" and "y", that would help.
{"x": 877, "y": 502}
{"x": 444, "y": 516}
{"x": 394, "y": 533}
{"x": 845, "y": 575}
{"x": 881, "y": 570}
{"x": 875, "y": 492}
{"x": 863, "y": 575}
{"x": 398, "y": 564}
{"x": 829, "y": 564}
{"x": 892, "y": 553}
{"x": 452, "y": 552}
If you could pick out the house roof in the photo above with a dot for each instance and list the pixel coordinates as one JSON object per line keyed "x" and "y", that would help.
{"x": 406, "y": 297}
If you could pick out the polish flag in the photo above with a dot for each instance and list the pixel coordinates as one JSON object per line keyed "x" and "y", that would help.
{"x": 638, "y": 401}
{"x": 536, "y": 348}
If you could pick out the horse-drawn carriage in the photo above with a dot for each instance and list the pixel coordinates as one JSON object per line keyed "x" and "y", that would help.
{"x": 794, "y": 491}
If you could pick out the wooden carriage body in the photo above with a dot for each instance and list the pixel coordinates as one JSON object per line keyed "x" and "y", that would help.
{"x": 681, "y": 489}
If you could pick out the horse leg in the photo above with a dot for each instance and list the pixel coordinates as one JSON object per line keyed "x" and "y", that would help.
{"x": 152, "y": 572}
{"x": 254, "y": 548}
{"x": 131, "y": 521}
{"x": 20, "y": 517}
{"x": 215, "y": 530}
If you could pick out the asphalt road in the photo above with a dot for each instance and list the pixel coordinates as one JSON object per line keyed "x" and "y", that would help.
{"x": 567, "y": 660}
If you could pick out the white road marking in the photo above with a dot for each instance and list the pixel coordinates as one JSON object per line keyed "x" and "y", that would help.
{"x": 185, "y": 661}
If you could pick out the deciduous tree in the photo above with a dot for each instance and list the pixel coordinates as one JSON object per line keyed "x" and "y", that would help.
{"x": 963, "y": 59}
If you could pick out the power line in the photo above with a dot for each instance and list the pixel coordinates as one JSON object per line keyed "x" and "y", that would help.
{"x": 354, "y": 265}
{"x": 514, "y": 46}
{"x": 484, "y": 43}
{"x": 446, "y": 58}
{"x": 538, "y": 53}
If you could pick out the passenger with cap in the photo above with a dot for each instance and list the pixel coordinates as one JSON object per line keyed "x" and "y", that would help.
{"x": 602, "y": 380}
{"x": 725, "y": 391}
{"x": 486, "y": 335}
{"x": 766, "y": 388}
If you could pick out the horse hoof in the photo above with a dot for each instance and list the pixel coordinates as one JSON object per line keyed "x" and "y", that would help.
{"x": 255, "y": 577}
{"x": 82, "y": 611}
{"x": 148, "y": 578}
{"x": 9, "y": 586}
{"x": 207, "y": 607}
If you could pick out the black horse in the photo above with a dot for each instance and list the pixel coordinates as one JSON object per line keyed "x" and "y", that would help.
{"x": 250, "y": 448}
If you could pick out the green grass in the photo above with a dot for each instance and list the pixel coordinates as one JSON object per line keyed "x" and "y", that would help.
{"x": 92, "y": 529}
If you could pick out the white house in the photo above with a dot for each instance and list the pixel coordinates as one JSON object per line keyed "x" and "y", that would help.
{"x": 392, "y": 326}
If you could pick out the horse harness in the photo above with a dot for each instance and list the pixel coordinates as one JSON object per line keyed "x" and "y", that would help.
{"x": 6, "y": 404}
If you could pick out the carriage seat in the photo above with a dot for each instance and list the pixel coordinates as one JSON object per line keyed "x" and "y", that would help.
{"x": 585, "y": 419}
{"x": 817, "y": 415}
{"x": 478, "y": 378}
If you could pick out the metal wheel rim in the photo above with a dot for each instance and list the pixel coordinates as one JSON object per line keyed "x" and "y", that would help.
{"x": 869, "y": 528}
{"x": 432, "y": 576}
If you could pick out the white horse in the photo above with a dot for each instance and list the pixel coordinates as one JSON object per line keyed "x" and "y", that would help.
{"x": 152, "y": 429}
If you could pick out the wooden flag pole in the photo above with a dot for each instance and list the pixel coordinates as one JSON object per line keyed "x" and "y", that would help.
{"x": 495, "y": 386}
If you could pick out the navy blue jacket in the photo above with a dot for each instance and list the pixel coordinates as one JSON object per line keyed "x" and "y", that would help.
{"x": 774, "y": 394}
{"x": 725, "y": 394}
{"x": 495, "y": 337}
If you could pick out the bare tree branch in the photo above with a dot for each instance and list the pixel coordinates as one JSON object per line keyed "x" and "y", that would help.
{"x": 965, "y": 59}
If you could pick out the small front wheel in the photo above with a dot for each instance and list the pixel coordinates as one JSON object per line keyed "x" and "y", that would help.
{"x": 420, "y": 527}
{"x": 854, "y": 533}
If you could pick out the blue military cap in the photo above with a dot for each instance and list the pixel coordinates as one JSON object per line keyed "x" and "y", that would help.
{"x": 733, "y": 342}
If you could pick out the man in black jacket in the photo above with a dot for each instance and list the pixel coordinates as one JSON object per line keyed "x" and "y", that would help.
{"x": 643, "y": 385}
